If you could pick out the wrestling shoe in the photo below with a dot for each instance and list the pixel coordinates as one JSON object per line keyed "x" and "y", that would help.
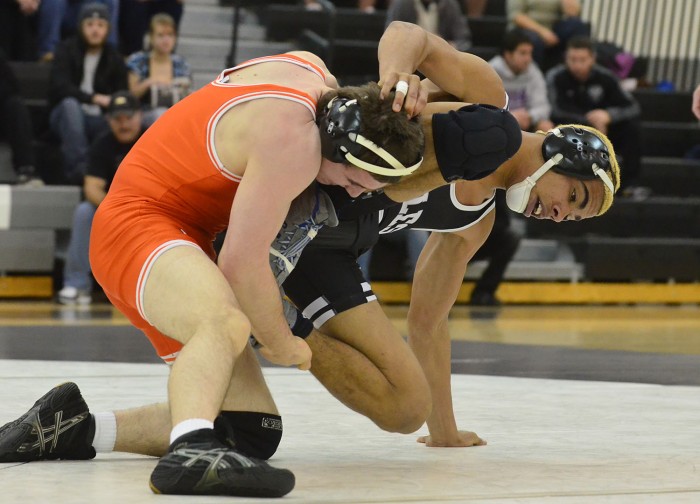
{"x": 199, "y": 464}
{"x": 58, "y": 426}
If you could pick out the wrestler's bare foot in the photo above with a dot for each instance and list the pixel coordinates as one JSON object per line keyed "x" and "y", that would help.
{"x": 463, "y": 439}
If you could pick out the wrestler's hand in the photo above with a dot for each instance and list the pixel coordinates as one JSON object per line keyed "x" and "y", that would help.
{"x": 289, "y": 351}
{"x": 413, "y": 101}
{"x": 462, "y": 440}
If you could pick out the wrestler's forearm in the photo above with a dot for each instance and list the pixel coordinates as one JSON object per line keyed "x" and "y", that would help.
{"x": 256, "y": 290}
{"x": 402, "y": 48}
{"x": 432, "y": 349}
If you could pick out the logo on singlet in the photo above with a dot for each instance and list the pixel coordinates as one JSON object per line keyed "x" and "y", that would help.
{"x": 406, "y": 215}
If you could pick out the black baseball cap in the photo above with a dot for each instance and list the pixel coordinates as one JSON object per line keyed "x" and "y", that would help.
{"x": 123, "y": 102}
{"x": 93, "y": 10}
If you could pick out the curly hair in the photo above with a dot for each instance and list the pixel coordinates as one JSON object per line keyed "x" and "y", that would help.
{"x": 402, "y": 137}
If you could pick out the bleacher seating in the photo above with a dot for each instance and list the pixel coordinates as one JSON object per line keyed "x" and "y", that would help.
{"x": 285, "y": 22}
{"x": 487, "y": 31}
{"x": 670, "y": 139}
{"x": 29, "y": 219}
{"x": 645, "y": 239}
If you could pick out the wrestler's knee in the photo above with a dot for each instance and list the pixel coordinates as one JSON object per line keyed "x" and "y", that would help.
{"x": 407, "y": 410}
{"x": 229, "y": 326}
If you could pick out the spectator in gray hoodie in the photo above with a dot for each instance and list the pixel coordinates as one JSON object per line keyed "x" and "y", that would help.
{"x": 523, "y": 81}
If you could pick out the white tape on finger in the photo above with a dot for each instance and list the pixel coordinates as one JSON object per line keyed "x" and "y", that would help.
{"x": 402, "y": 87}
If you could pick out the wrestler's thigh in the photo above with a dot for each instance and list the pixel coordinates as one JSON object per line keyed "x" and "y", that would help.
{"x": 329, "y": 288}
{"x": 368, "y": 329}
{"x": 184, "y": 289}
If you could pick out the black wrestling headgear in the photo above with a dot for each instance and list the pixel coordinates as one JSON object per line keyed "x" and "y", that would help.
{"x": 470, "y": 143}
{"x": 571, "y": 151}
{"x": 582, "y": 151}
{"x": 341, "y": 141}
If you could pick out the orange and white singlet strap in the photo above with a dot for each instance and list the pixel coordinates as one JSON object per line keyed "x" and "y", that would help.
{"x": 280, "y": 58}
{"x": 263, "y": 91}
{"x": 257, "y": 91}
{"x": 148, "y": 265}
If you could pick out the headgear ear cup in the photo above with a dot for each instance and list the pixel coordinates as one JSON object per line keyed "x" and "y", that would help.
{"x": 341, "y": 141}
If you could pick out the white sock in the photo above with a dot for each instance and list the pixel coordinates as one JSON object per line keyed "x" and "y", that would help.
{"x": 189, "y": 425}
{"x": 105, "y": 432}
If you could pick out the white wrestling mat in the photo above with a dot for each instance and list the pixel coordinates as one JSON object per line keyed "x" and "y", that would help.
{"x": 550, "y": 441}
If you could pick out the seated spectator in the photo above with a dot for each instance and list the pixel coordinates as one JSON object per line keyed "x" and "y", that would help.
{"x": 413, "y": 240}
{"x": 158, "y": 77}
{"x": 524, "y": 82}
{"x": 441, "y": 17}
{"x": 474, "y": 8}
{"x": 58, "y": 19}
{"x": 550, "y": 24}
{"x": 696, "y": 102}
{"x": 106, "y": 153}
{"x": 17, "y": 126}
{"x": 499, "y": 249}
{"x": 135, "y": 17}
{"x": 580, "y": 91}
{"x": 16, "y": 34}
{"x": 85, "y": 72}
{"x": 371, "y": 6}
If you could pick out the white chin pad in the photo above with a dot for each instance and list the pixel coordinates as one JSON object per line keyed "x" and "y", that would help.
{"x": 518, "y": 195}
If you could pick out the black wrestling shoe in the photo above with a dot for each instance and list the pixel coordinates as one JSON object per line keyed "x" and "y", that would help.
{"x": 58, "y": 426}
{"x": 199, "y": 464}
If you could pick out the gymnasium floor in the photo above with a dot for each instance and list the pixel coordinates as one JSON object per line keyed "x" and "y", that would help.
{"x": 578, "y": 405}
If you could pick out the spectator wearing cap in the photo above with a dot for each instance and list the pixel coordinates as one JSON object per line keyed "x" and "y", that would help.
{"x": 84, "y": 73}
{"x": 57, "y": 19}
{"x": 106, "y": 153}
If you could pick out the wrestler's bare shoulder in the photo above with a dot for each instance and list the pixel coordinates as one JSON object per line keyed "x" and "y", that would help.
{"x": 286, "y": 74}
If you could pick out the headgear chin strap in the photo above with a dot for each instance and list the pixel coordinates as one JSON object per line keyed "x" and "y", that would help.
{"x": 570, "y": 151}
{"x": 342, "y": 142}
{"x": 518, "y": 194}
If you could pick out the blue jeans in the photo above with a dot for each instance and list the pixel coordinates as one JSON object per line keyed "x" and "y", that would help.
{"x": 76, "y": 129}
{"x": 76, "y": 272}
{"x": 61, "y": 16}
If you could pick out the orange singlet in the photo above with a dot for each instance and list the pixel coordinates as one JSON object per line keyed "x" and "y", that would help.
{"x": 172, "y": 190}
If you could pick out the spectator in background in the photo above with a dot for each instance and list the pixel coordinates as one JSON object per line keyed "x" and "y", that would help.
{"x": 59, "y": 19}
{"x": 135, "y": 18}
{"x": 17, "y": 126}
{"x": 580, "y": 91}
{"x": 16, "y": 36}
{"x": 694, "y": 152}
{"x": 85, "y": 72}
{"x": 550, "y": 24}
{"x": 441, "y": 17}
{"x": 499, "y": 249}
{"x": 474, "y": 8}
{"x": 158, "y": 77}
{"x": 524, "y": 82}
{"x": 106, "y": 153}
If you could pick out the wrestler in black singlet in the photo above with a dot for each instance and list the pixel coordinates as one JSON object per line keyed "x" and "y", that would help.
{"x": 327, "y": 279}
